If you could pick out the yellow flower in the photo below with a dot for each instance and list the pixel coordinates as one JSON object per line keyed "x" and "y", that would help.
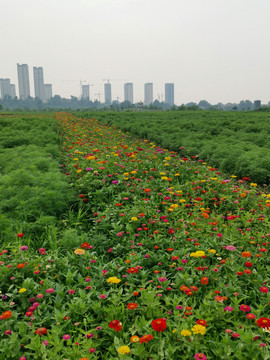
{"x": 233, "y": 176}
{"x": 185, "y": 332}
{"x": 197, "y": 254}
{"x": 134, "y": 218}
{"x": 198, "y": 329}
{"x": 113, "y": 280}
{"x": 79, "y": 252}
{"x": 90, "y": 158}
{"x": 253, "y": 184}
{"x": 182, "y": 200}
{"x": 212, "y": 251}
{"x": 124, "y": 350}
{"x": 174, "y": 206}
{"x": 167, "y": 158}
{"x": 22, "y": 290}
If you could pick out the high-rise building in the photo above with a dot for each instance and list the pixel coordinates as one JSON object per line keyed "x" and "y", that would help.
{"x": 128, "y": 92}
{"x": 85, "y": 92}
{"x": 47, "y": 92}
{"x": 148, "y": 93}
{"x": 108, "y": 93}
{"x": 23, "y": 80}
{"x": 39, "y": 83}
{"x": 12, "y": 91}
{"x": 5, "y": 88}
{"x": 169, "y": 93}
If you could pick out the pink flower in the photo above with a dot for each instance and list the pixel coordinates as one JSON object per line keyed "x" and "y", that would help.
{"x": 71, "y": 291}
{"x": 24, "y": 248}
{"x": 179, "y": 307}
{"x": 92, "y": 350}
{"x": 250, "y": 316}
{"x": 235, "y": 335}
{"x": 45, "y": 342}
{"x": 228, "y": 331}
{"x": 162, "y": 279}
{"x": 228, "y": 308}
{"x": 39, "y": 296}
{"x": 244, "y": 308}
{"x": 66, "y": 337}
{"x": 200, "y": 356}
{"x": 102, "y": 296}
{"x": 50, "y": 291}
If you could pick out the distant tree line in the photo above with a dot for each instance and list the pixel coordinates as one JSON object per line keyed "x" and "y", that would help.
{"x": 74, "y": 103}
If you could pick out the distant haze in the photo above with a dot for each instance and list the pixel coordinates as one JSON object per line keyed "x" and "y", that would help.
{"x": 217, "y": 50}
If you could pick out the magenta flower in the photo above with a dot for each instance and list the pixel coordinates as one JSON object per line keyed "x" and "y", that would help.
{"x": 50, "y": 291}
{"x": 228, "y": 308}
{"x": 102, "y": 296}
{"x": 92, "y": 350}
{"x": 162, "y": 279}
{"x": 244, "y": 308}
{"x": 66, "y": 337}
{"x": 250, "y": 316}
{"x": 45, "y": 342}
{"x": 200, "y": 356}
{"x": 179, "y": 307}
{"x": 24, "y": 248}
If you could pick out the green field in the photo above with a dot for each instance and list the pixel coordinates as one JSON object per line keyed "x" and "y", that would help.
{"x": 235, "y": 142}
{"x": 116, "y": 248}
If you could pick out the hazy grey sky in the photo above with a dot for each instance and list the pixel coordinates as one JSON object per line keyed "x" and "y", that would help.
{"x": 218, "y": 50}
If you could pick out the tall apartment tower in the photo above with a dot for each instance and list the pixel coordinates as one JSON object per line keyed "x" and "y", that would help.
{"x": 47, "y": 92}
{"x": 108, "y": 93}
{"x": 5, "y": 89}
{"x": 12, "y": 91}
{"x": 39, "y": 83}
{"x": 23, "y": 80}
{"x": 148, "y": 93}
{"x": 169, "y": 93}
{"x": 128, "y": 92}
{"x": 85, "y": 92}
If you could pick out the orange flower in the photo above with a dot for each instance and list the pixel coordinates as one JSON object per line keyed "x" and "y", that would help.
{"x": 134, "y": 339}
{"x": 246, "y": 254}
{"x": 19, "y": 266}
{"x": 6, "y": 314}
{"x": 147, "y": 190}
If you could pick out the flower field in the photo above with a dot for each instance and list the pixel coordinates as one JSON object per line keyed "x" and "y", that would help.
{"x": 159, "y": 257}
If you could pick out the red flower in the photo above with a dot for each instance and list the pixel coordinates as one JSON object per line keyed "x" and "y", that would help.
{"x": 132, "y": 306}
{"x": 132, "y": 270}
{"x": 115, "y": 325}
{"x": 263, "y": 322}
{"x": 41, "y": 331}
{"x": 204, "y": 280}
{"x": 201, "y": 322}
{"x": 85, "y": 246}
{"x": 20, "y": 234}
{"x": 146, "y": 338}
{"x": 159, "y": 325}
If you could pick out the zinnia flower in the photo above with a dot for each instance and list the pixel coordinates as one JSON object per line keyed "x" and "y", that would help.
{"x": 113, "y": 280}
{"x": 198, "y": 329}
{"x": 185, "y": 332}
{"x": 159, "y": 325}
{"x": 115, "y": 325}
{"x": 132, "y": 306}
{"x": 79, "y": 251}
{"x": 263, "y": 322}
{"x": 123, "y": 350}
{"x": 200, "y": 356}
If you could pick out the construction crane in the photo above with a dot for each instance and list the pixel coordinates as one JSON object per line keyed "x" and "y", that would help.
{"x": 98, "y": 96}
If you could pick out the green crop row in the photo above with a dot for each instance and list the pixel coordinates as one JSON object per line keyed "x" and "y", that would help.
{"x": 236, "y": 143}
{"x": 34, "y": 192}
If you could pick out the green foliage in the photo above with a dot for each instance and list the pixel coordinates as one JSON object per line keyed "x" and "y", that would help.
{"x": 33, "y": 190}
{"x": 237, "y": 143}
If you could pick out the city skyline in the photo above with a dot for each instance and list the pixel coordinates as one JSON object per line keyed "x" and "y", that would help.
{"x": 213, "y": 50}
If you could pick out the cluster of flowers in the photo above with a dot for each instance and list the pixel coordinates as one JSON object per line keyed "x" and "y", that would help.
{"x": 168, "y": 239}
